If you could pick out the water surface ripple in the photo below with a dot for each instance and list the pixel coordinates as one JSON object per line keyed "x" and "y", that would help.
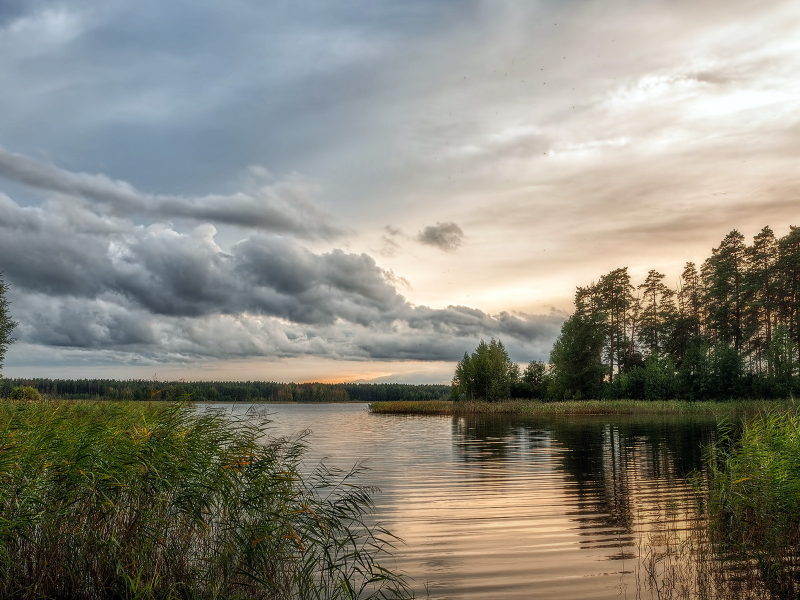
{"x": 507, "y": 507}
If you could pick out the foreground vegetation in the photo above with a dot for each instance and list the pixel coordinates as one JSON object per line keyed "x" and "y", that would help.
{"x": 575, "y": 407}
{"x": 134, "y": 500}
{"x": 754, "y": 500}
{"x": 741, "y": 540}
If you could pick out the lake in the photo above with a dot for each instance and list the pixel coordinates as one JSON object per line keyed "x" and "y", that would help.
{"x": 488, "y": 507}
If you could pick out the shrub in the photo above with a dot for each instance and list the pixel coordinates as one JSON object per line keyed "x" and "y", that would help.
{"x": 24, "y": 392}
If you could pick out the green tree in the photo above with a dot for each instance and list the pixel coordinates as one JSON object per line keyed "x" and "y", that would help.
{"x": 25, "y": 392}
{"x": 487, "y": 374}
{"x": 533, "y": 382}
{"x": 789, "y": 283}
{"x": 6, "y": 323}
{"x": 657, "y": 312}
{"x": 781, "y": 362}
{"x": 576, "y": 359}
{"x": 614, "y": 302}
{"x": 723, "y": 274}
{"x": 659, "y": 378}
{"x": 694, "y": 373}
{"x": 760, "y": 291}
{"x": 690, "y": 298}
{"x": 683, "y": 324}
{"x": 727, "y": 372}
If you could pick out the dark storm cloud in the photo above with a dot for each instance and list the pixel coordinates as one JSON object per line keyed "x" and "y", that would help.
{"x": 284, "y": 207}
{"x": 162, "y": 293}
{"x": 75, "y": 322}
{"x": 304, "y": 287}
{"x": 445, "y": 236}
{"x": 45, "y": 254}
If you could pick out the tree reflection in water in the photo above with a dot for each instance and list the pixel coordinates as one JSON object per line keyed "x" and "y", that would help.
{"x": 618, "y": 472}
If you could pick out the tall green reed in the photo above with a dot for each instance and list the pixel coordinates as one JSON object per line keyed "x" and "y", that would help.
{"x": 127, "y": 500}
{"x": 754, "y": 499}
{"x": 739, "y": 537}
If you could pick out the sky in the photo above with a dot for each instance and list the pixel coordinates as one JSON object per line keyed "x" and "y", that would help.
{"x": 362, "y": 190}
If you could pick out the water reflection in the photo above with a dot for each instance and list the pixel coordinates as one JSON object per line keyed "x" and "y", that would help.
{"x": 618, "y": 476}
{"x": 501, "y": 507}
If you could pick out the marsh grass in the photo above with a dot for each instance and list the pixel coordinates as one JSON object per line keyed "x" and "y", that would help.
{"x": 572, "y": 407}
{"x": 134, "y": 500}
{"x": 739, "y": 537}
{"x": 754, "y": 498}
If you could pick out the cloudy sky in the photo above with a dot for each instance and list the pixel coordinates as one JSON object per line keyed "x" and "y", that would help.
{"x": 363, "y": 189}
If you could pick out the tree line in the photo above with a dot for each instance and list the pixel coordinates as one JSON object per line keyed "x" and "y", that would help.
{"x": 223, "y": 391}
{"x": 728, "y": 329}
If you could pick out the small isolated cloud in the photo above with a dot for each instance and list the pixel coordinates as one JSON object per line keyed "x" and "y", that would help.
{"x": 445, "y": 236}
{"x": 389, "y": 246}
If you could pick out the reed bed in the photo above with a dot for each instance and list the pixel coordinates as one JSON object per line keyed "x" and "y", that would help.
{"x": 573, "y": 407}
{"x": 739, "y": 537}
{"x": 754, "y": 499}
{"x": 146, "y": 501}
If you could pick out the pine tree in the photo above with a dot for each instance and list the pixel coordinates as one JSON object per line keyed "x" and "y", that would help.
{"x": 614, "y": 300}
{"x": 657, "y": 310}
{"x": 760, "y": 294}
{"x": 690, "y": 297}
{"x": 722, "y": 275}
{"x": 789, "y": 283}
{"x": 576, "y": 357}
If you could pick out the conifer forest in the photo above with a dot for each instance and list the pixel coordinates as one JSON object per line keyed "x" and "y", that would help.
{"x": 730, "y": 328}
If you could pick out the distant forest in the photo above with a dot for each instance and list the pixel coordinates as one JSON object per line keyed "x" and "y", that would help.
{"x": 731, "y": 329}
{"x": 224, "y": 391}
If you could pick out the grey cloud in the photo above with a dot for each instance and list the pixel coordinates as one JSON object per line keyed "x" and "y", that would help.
{"x": 463, "y": 321}
{"x": 42, "y": 252}
{"x": 283, "y": 207}
{"x": 389, "y": 247}
{"x": 12, "y": 10}
{"x": 157, "y": 292}
{"x": 78, "y": 323}
{"x": 109, "y": 324}
{"x": 44, "y": 176}
{"x": 315, "y": 288}
{"x": 446, "y": 236}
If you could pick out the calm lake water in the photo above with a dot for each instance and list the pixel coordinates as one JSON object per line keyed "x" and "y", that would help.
{"x": 507, "y": 508}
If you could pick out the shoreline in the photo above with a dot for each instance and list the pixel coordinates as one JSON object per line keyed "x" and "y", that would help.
{"x": 577, "y": 407}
